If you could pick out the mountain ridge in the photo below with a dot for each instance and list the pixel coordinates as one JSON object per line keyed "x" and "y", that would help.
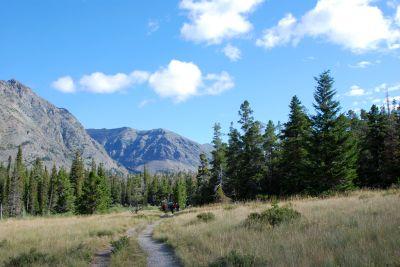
{"x": 44, "y": 130}
{"x": 160, "y": 150}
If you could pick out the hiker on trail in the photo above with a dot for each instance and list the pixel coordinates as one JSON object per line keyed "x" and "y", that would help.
{"x": 171, "y": 207}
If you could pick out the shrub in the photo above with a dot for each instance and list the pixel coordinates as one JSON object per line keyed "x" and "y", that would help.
{"x": 101, "y": 233}
{"x": 3, "y": 243}
{"x": 206, "y": 216}
{"x": 273, "y": 216}
{"x": 234, "y": 259}
{"x": 31, "y": 258}
{"x": 120, "y": 244}
{"x": 229, "y": 207}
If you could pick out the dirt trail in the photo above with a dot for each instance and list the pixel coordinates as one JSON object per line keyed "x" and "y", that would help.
{"x": 159, "y": 254}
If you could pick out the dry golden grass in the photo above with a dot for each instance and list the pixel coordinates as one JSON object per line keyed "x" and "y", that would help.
{"x": 362, "y": 229}
{"x": 67, "y": 241}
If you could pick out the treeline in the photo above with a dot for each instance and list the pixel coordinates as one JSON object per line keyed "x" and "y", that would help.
{"x": 38, "y": 191}
{"x": 310, "y": 154}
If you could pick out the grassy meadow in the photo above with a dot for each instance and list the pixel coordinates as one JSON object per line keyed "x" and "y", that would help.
{"x": 70, "y": 240}
{"x": 359, "y": 229}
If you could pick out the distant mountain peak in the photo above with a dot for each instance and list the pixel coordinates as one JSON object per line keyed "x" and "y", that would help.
{"x": 44, "y": 131}
{"x": 160, "y": 150}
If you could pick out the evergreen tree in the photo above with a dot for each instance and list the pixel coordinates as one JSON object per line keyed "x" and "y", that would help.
{"x": 146, "y": 185}
{"x": 77, "y": 174}
{"x": 294, "y": 164}
{"x": 203, "y": 181}
{"x": 15, "y": 193}
{"x": 180, "y": 193}
{"x": 53, "y": 190}
{"x": 271, "y": 154}
{"x": 43, "y": 191}
{"x": 252, "y": 165}
{"x": 65, "y": 193}
{"x": 36, "y": 174}
{"x": 116, "y": 190}
{"x": 333, "y": 153}
{"x": 218, "y": 162}
{"x": 95, "y": 195}
{"x": 233, "y": 158}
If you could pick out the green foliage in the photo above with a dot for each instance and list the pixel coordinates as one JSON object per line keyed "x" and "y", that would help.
{"x": 206, "y": 216}
{"x": 33, "y": 257}
{"x": 95, "y": 195}
{"x": 65, "y": 193}
{"x": 273, "y": 216}
{"x": 234, "y": 259}
{"x": 180, "y": 194}
{"x": 119, "y": 244}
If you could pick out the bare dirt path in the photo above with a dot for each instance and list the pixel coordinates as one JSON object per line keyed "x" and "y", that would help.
{"x": 159, "y": 254}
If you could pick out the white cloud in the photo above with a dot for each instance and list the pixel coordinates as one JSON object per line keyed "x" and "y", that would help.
{"x": 398, "y": 15}
{"x": 101, "y": 83}
{"x": 362, "y": 65}
{"x": 213, "y": 21}
{"x": 152, "y": 26}
{"x": 218, "y": 83}
{"x": 182, "y": 80}
{"x": 385, "y": 87}
{"x": 356, "y": 90}
{"x": 179, "y": 81}
{"x": 357, "y": 25}
{"x": 145, "y": 102}
{"x": 64, "y": 84}
{"x": 232, "y": 52}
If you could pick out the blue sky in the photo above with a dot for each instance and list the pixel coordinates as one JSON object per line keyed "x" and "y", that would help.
{"x": 183, "y": 65}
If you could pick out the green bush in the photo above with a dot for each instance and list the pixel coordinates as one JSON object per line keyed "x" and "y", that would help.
{"x": 31, "y": 258}
{"x": 206, "y": 216}
{"x": 120, "y": 243}
{"x": 3, "y": 243}
{"x": 101, "y": 233}
{"x": 273, "y": 216}
{"x": 234, "y": 259}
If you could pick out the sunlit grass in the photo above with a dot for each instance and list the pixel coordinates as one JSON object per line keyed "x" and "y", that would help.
{"x": 361, "y": 229}
{"x": 66, "y": 241}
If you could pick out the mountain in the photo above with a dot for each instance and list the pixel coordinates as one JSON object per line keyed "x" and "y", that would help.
{"x": 159, "y": 150}
{"x": 43, "y": 130}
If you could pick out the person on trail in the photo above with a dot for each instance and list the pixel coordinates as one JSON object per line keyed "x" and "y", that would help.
{"x": 171, "y": 207}
{"x": 177, "y": 207}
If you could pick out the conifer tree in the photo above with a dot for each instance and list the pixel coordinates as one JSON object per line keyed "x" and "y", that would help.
{"x": 65, "y": 193}
{"x": 103, "y": 190}
{"x": 203, "y": 181}
{"x": 32, "y": 204}
{"x": 271, "y": 154}
{"x": 52, "y": 192}
{"x": 218, "y": 162}
{"x": 252, "y": 167}
{"x": 77, "y": 174}
{"x": 43, "y": 190}
{"x": 180, "y": 193}
{"x": 333, "y": 153}
{"x": 15, "y": 193}
{"x": 294, "y": 164}
{"x": 234, "y": 162}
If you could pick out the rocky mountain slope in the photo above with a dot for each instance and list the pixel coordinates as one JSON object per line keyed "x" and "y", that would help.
{"x": 159, "y": 150}
{"x": 43, "y": 130}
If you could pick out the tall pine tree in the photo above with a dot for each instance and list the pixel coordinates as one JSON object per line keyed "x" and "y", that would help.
{"x": 333, "y": 153}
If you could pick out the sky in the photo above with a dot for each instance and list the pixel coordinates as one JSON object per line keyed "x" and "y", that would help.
{"x": 183, "y": 65}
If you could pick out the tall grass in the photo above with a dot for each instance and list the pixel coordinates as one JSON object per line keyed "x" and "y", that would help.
{"x": 63, "y": 241}
{"x": 361, "y": 229}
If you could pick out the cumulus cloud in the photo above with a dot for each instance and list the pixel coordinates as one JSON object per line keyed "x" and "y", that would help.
{"x": 213, "y": 21}
{"x": 179, "y": 81}
{"x": 101, "y": 83}
{"x": 232, "y": 52}
{"x": 64, "y": 84}
{"x": 398, "y": 15}
{"x": 356, "y": 25}
{"x": 356, "y": 90}
{"x": 182, "y": 80}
